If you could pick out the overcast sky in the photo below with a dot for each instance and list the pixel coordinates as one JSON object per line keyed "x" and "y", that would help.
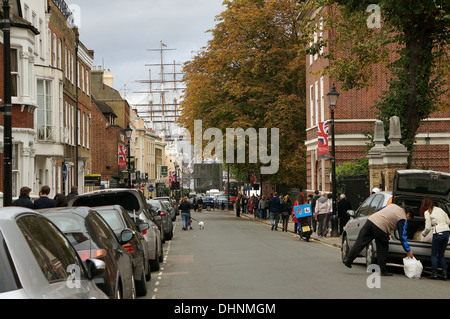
{"x": 120, "y": 33}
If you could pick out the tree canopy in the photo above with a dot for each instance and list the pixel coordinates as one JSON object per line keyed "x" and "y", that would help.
{"x": 413, "y": 44}
{"x": 251, "y": 74}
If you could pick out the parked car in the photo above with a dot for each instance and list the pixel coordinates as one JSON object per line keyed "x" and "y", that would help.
{"x": 133, "y": 201}
{"x": 221, "y": 202}
{"x": 119, "y": 220}
{"x": 173, "y": 203}
{"x": 164, "y": 212}
{"x": 37, "y": 259}
{"x": 92, "y": 237}
{"x": 409, "y": 188}
{"x": 168, "y": 206}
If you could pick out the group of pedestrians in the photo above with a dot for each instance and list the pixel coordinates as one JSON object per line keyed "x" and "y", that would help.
{"x": 44, "y": 201}
{"x": 254, "y": 205}
{"x": 280, "y": 208}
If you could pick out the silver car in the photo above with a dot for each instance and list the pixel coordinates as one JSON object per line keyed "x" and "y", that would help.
{"x": 409, "y": 188}
{"x": 37, "y": 261}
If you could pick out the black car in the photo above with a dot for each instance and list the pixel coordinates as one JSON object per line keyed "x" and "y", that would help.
{"x": 119, "y": 220}
{"x": 92, "y": 237}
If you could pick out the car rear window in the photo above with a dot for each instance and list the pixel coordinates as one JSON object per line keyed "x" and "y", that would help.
{"x": 73, "y": 227}
{"x": 424, "y": 183}
{"x": 112, "y": 217}
{"x": 8, "y": 277}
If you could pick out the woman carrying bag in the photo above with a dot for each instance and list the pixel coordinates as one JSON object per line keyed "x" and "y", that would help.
{"x": 437, "y": 221}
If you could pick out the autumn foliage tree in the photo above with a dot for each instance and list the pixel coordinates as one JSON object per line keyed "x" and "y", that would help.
{"x": 251, "y": 75}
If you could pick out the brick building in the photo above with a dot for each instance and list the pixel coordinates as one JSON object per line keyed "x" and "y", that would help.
{"x": 354, "y": 116}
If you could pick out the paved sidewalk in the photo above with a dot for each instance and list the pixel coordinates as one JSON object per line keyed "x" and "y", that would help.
{"x": 333, "y": 241}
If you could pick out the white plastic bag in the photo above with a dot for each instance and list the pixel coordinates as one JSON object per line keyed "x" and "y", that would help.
{"x": 413, "y": 267}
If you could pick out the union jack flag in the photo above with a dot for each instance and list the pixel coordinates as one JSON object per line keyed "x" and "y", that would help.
{"x": 122, "y": 156}
{"x": 322, "y": 139}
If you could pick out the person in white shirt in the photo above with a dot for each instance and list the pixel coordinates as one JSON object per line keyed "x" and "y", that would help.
{"x": 437, "y": 221}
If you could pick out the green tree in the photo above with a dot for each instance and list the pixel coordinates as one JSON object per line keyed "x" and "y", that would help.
{"x": 252, "y": 74}
{"x": 413, "y": 44}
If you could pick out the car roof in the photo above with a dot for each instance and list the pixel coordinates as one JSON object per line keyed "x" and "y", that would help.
{"x": 82, "y": 211}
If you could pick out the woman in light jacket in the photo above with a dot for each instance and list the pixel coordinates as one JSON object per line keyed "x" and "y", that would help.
{"x": 437, "y": 221}
{"x": 322, "y": 210}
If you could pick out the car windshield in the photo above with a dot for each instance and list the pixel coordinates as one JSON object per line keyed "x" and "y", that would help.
{"x": 8, "y": 276}
{"x": 424, "y": 183}
{"x": 222, "y": 198}
{"x": 156, "y": 203}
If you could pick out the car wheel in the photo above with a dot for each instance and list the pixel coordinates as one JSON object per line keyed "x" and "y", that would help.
{"x": 133, "y": 288}
{"x": 370, "y": 255}
{"x": 154, "y": 263}
{"x": 148, "y": 275}
{"x": 161, "y": 254}
{"x": 141, "y": 285}
{"x": 344, "y": 248}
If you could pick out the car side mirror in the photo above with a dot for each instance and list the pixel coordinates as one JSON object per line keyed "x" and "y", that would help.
{"x": 351, "y": 213}
{"x": 126, "y": 235}
{"x": 95, "y": 268}
{"x": 143, "y": 227}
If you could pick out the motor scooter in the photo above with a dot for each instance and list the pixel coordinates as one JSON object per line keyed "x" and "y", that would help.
{"x": 304, "y": 227}
{"x": 304, "y": 215}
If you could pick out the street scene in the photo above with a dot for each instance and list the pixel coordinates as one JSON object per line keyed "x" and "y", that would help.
{"x": 239, "y": 153}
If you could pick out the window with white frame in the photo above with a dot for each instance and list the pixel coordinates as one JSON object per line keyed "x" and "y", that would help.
{"x": 14, "y": 55}
{"x": 316, "y": 99}
{"x": 311, "y": 105}
{"x": 44, "y": 111}
{"x": 322, "y": 100}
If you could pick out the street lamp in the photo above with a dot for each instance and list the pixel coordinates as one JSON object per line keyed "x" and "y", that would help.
{"x": 333, "y": 96}
{"x": 7, "y": 107}
{"x": 128, "y": 132}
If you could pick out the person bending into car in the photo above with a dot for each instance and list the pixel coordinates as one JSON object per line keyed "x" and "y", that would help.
{"x": 378, "y": 227}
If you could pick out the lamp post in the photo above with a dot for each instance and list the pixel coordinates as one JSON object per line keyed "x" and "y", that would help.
{"x": 7, "y": 108}
{"x": 333, "y": 96}
{"x": 128, "y": 132}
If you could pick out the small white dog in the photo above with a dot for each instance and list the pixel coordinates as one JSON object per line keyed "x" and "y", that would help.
{"x": 201, "y": 225}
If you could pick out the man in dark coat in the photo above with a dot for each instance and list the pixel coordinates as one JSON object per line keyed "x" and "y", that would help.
{"x": 343, "y": 206}
{"x": 73, "y": 192}
{"x": 44, "y": 201}
{"x": 24, "y": 198}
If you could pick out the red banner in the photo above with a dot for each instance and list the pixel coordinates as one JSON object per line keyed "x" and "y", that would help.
{"x": 322, "y": 139}
{"x": 122, "y": 157}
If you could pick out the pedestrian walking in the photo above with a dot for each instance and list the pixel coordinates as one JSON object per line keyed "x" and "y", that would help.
{"x": 321, "y": 212}
{"x": 344, "y": 205}
{"x": 185, "y": 209}
{"x": 238, "y": 205}
{"x": 299, "y": 201}
{"x": 200, "y": 204}
{"x": 437, "y": 222}
{"x": 263, "y": 204}
{"x": 44, "y": 201}
{"x": 73, "y": 192}
{"x": 313, "y": 209}
{"x": 379, "y": 227}
{"x": 286, "y": 210}
{"x": 274, "y": 211}
{"x": 24, "y": 199}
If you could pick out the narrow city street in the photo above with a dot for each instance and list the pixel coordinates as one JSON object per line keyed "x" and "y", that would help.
{"x": 239, "y": 258}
